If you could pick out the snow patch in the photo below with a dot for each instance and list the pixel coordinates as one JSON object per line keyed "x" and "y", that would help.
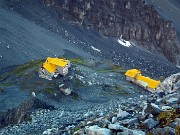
{"x": 95, "y": 49}
{"x": 124, "y": 42}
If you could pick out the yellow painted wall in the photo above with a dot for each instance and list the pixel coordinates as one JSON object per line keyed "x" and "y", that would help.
{"x": 136, "y": 74}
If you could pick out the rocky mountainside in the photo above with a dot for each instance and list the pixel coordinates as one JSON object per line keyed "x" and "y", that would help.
{"x": 132, "y": 19}
{"x": 102, "y": 101}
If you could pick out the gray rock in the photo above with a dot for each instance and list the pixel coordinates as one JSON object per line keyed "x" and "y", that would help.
{"x": 172, "y": 100}
{"x": 114, "y": 119}
{"x": 163, "y": 131}
{"x": 50, "y": 131}
{"x": 126, "y": 132}
{"x": 152, "y": 108}
{"x": 79, "y": 132}
{"x": 116, "y": 126}
{"x": 166, "y": 107}
{"x": 177, "y": 121}
{"x": 132, "y": 121}
{"x": 96, "y": 130}
{"x": 131, "y": 132}
{"x": 137, "y": 132}
{"x": 170, "y": 84}
{"x": 22, "y": 112}
{"x": 150, "y": 116}
{"x": 150, "y": 123}
{"x": 122, "y": 114}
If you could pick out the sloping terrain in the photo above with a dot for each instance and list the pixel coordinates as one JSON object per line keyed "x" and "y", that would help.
{"x": 33, "y": 42}
{"x": 22, "y": 41}
{"x": 133, "y": 19}
{"x": 97, "y": 64}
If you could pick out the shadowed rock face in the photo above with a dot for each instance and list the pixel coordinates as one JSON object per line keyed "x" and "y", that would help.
{"x": 22, "y": 112}
{"x": 132, "y": 19}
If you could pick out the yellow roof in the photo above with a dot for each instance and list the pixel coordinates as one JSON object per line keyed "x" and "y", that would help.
{"x": 132, "y": 73}
{"x": 57, "y": 62}
{"x": 51, "y": 63}
{"x": 151, "y": 83}
{"x": 49, "y": 67}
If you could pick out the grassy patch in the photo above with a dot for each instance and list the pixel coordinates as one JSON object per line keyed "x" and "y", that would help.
{"x": 19, "y": 70}
{"x": 75, "y": 96}
{"x": 6, "y": 84}
{"x": 77, "y": 61}
{"x": 49, "y": 90}
{"x": 177, "y": 130}
{"x": 75, "y": 129}
{"x": 117, "y": 87}
{"x": 161, "y": 78}
{"x": 114, "y": 68}
{"x": 118, "y": 69}
{"x": 78, "y": 83}
{"x": 166, "y": 117}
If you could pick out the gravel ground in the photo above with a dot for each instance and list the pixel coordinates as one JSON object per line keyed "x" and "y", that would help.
{"x": 22, "y": 41}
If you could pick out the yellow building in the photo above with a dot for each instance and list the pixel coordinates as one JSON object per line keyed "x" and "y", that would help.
{"x": 135, "y": 76}
{"x": 52, "y": 67}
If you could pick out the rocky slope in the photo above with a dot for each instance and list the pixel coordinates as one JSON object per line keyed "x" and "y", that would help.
{"x": 168, "y": 10}
{"x": 132, "y": 19}
{"x": 101, "y": 97}
{"x": 145, "y": 114}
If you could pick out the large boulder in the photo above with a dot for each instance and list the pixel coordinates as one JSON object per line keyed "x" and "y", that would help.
{"x": 22, "y": 112}
{"x": 96, "y": 130}
{"x": 163, "y": 131}
{"x": 170, "y": 84}
{"x": 122, "y": 114}
{"x": 116, "y": 127}
{"x": 150, "y": 123}
{"x": 152, "y": 108}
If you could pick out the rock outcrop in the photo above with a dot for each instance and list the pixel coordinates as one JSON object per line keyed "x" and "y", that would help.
{"x": 171, "y": 83}
{"x": 22, "y": 112}
{"x": 133, "y": 19}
